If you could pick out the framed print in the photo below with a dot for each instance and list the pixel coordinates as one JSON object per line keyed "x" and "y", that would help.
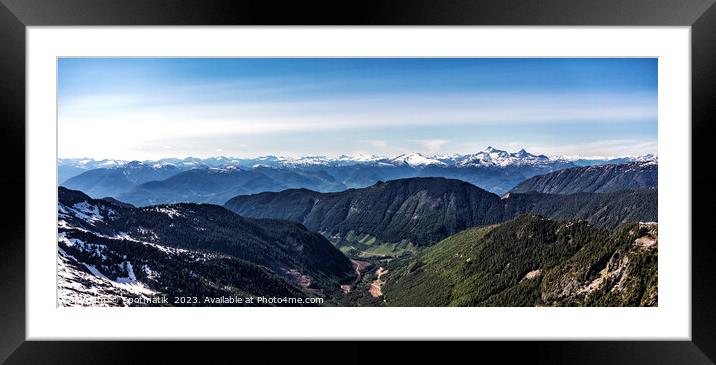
{"x": 494, "y": 173}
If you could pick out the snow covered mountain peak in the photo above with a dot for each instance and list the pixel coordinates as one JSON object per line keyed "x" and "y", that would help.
{"x": 415, "y": 159}
{"x": 494, "y": 157}
{"x": 494, "y": 151}
{"x": 648, "y": 157}
{"x": 489, "y": 157}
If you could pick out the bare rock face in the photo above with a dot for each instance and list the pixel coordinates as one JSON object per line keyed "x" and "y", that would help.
{"x": 624, "y": 273}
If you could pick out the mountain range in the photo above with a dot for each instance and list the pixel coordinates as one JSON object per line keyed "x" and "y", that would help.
{"x": 489, "y": 157}
{"x": 70, "y": 167}
{"x": 217, "y": 185}
{"x": 109, "y": 181}
{"x": 487, "y": 229}
{"x": 214, "y": 180}
{"x": 422, "y": 211}
{"x": 188, "y": 250}
{"x": 597, "y": 179}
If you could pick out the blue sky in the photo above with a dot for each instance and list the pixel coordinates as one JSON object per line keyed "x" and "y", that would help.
{"x": 173, "y": 107}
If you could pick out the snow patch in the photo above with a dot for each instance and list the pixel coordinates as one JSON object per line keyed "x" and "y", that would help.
{"x": 171, "y": 212}
{"x": 95, "y": 249}
{"x": 79, "y": 288}
{"x": 84, "y": 211}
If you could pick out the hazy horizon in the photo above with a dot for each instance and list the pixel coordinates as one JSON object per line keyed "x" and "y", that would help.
{"x": 150, "y": 109}
{"x": 169, "y": 157}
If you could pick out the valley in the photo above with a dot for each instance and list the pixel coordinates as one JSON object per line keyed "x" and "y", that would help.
{"x": 357, "y": 182}
{"x": 572, "y": 236}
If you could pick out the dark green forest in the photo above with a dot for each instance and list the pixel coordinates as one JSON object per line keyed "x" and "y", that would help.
{"x": 449, "y": 243}
{"x": 572, "y": 263}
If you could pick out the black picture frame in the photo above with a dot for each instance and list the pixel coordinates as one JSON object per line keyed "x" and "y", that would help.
{"x": 16, "y": 15}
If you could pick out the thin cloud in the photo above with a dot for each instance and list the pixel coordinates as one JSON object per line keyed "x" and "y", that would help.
{"x": 170, "y": 124}
{"x": 132, "y": 109}
{"x": 433, "y": 145}
{"x": 377, "y": 143}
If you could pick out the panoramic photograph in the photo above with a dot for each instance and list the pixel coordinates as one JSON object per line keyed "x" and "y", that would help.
{"x": 357, "y": 182}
